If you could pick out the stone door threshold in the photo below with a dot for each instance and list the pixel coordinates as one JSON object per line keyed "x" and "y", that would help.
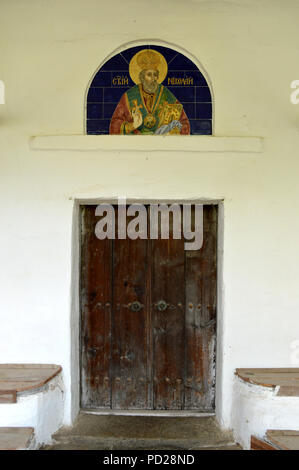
{"x": 159, "y": 413}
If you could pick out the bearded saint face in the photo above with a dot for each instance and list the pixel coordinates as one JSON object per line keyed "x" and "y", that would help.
{"x": 149, "y": 80}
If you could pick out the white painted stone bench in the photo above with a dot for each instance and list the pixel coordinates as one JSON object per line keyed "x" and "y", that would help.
{"x": 264, "y": 399}
{"x": 31, "y": 396}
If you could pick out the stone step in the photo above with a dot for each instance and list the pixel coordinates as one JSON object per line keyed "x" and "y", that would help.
{"x": 107, "y": 432}
{"x": 15, "y": 438}
{"x": 90, "y": 443}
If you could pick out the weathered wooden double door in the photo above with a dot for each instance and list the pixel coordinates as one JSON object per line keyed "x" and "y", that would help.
{"x": 148, "y": 320}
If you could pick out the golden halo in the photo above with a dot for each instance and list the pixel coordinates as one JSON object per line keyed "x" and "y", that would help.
{"x": 147, "y": 59}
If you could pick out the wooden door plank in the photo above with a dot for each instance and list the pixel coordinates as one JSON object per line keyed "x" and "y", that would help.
{"x": 200, "y": 308}
{"x": 168, "y": 326}
{"x": 130, "y": 362}
{"x": 96, "y": 298}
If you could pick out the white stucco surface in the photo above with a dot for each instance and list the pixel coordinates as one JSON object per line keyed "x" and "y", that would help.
{"x": 43, "y": 410}
{"x": 248, "y": 51}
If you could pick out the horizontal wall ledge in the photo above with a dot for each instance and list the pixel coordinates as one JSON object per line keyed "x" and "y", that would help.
{"x": 141, "y": 143}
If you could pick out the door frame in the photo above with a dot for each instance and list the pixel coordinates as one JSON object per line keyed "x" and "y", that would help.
{"x": 75, "y": 317}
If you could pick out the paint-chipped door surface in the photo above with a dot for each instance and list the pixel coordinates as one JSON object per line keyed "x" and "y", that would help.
{"x": 148, "y": 320}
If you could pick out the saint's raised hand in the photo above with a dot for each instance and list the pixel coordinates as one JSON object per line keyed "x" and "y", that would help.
{"x": 137, "y": 118}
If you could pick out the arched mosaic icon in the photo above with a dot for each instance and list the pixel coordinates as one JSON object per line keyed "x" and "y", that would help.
{"x": 149, "y": 90}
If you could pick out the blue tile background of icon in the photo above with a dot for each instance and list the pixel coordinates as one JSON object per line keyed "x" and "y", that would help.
{"x": 104, "y": 93}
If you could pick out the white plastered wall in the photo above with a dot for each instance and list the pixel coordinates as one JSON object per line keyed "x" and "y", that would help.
{"x": 49, "y": 53}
